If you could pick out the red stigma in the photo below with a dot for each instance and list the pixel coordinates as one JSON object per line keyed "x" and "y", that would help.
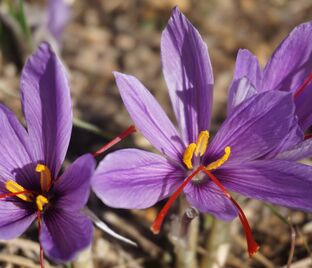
{"x": 155, "y": 228}
{"x": 308, "y": 136}
{"x": 14, "y": 194}
{"x": 252, "y": 245}
{"x": 304, "y": 85}
{"x": 120, "y": 137}
{"x": 39, "y": 230}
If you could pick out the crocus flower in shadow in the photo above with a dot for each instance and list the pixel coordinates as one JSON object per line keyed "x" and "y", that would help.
{"x": 133, "y": 178}
{"x": 30, "y": 185}
{"x": 290, "y": 70}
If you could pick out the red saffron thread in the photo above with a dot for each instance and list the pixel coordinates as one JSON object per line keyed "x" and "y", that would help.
{"x": 155, "y": 228}
{"x": 14, "y": 194}
{"x": 39, "y": 230}
{"x": 308, "y": 136}
{"x": 304, "y": 85}
{"x": 251, "y": 243}
{"x": 120, "y": 137}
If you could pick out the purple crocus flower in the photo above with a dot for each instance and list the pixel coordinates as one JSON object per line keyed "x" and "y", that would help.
{"x": 290, "y": 70}
{"x": 58, "y": 15}
{"x": 263, "y": 124}
{"x": 30, "y": 185}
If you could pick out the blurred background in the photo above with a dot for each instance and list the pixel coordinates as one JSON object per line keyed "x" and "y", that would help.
{"x": 96, "y": 37}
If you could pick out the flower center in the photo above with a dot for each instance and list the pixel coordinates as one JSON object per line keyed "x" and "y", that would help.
{"x": 15, "y": 189}
{"x": 198, "y": 149}
{"x": 201, "y": 172}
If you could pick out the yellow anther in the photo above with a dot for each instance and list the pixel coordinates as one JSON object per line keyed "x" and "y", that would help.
{"x": 220, "y": 161}
{"x": 202, "y": 143}
{"x": 14, "y": 187}
{"x": 45, "y": 177}
{"x": 188, "y": 155}
{"x": 41, "y": 201}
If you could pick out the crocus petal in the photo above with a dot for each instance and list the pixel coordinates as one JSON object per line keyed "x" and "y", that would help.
{"x": 240, "y": 90}
{"x": 16, "y": 159}
{"x": 14, "y": 220}
{"x": 47, "y": 107}
{"x": 149, "y": 117}
{"x": 284, "y": 183}
{"x": 64, "y": 233}
{"x": 207, "y": 198}
{"x": 304, "y": 108}
{"x": 134, "y": 178}
{"x": 256, "y": 127}
{"x": 291, "y": 62}
{"x": 297, "y": 152}
{"x": 293, "y": 137}
{"x": 188, "y": 73}
{"x": 247, "y": 65}
{"x": 58, "y": 14}
{"x": 72, "y": 188}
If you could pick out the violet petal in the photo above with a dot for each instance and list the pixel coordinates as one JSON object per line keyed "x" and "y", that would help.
{"x": 208, "y": 198}
{"x": 248, "y": 130}
{"x": 134, "y": 178}
{"x": 149, "y": 117}
{"x": 188, "y": 73}
{"x": 16, "y": 161}
{"x": 64, "y": 234}
{"x": 58, "y": 13}
{"x": 47, "y": 107}
{"x": 14, "y": 220}
{"x": 246, "y": 65}
{"x": 240, "y": 90}
{"x": 299, "y": 151}
{"x": 284, "y": 183}
{"x": 72, "y": 188}
{"x": 291, "y": 62}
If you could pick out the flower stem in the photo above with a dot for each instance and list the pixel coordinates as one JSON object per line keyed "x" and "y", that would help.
{"x": 186, "y": 252}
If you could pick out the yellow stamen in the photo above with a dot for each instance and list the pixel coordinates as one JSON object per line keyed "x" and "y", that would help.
{"x": 14, "y": 187}
{"x": 41, "y": 201}
{"x": 45, "y": 177}
{"x": 220, "y": 161}
{"x": 202, "y": 143}
{"x": 188, "y": 155}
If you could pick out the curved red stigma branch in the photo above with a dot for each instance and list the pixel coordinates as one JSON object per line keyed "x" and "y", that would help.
{"x": 39, "y": 230}
{"x": 306, "y": 82}
{"x": 252, "y": 245}
{"x": 120, "y": 137}
{"x": 155, "y": 228}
